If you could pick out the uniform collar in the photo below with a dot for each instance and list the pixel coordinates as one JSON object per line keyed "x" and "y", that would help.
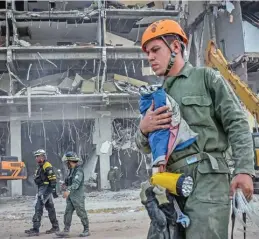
{"x": 185, "y": 72}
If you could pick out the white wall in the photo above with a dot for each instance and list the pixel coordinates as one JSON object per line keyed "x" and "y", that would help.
{"x": 231, "y": 33}
{"x": 251, "y": 37}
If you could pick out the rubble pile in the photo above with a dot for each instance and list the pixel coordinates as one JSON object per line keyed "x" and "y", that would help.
{"x": 61, "y": 83}
{"x": 123, "y": 137}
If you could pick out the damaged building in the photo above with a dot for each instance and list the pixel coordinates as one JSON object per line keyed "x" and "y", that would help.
{"x": 70, "y": 72}
{"x": 69, "y": 81}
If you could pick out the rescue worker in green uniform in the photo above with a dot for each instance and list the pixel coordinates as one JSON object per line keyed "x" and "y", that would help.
{"x": 74, "y": 195}
{"x": 210, "y": 107}
{"x": 117, "y": 179}
{"x": 111, "y": 178}
{"x": 45, "y": 179}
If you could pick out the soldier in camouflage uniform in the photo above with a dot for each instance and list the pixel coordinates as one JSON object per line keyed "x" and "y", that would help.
{"x": 212, "y": 110}
{"x": 45, "y": 179}
{"x": 74, "y": 195}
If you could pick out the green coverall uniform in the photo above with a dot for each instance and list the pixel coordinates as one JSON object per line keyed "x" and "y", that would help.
{"x": 212, "y": 110}
{"x": 76, "y": 198}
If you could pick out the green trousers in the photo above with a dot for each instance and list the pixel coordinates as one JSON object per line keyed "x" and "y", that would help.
{"x": 208, "y": 206}
{"x": 78, "y": 205}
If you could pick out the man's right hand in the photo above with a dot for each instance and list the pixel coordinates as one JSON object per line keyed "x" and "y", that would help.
{"x": 155, "y": 119}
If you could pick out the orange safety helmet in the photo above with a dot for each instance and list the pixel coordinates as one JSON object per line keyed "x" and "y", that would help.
{"x": 162, "y": 28}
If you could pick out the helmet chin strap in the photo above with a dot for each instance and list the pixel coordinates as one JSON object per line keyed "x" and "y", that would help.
{"x": 170, "y": 63}
{"x": 172, "y": 57}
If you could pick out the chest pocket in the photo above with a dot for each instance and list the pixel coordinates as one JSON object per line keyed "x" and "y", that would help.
{"x": 196, "y": 110}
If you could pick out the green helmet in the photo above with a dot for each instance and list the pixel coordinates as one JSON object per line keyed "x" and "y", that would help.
{"x": 39, "y": 152}
{"x": 71, "y": 156}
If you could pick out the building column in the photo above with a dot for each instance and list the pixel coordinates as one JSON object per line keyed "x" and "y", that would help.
{"x": 102, "y": 138}
{"x": 15, "y": 150}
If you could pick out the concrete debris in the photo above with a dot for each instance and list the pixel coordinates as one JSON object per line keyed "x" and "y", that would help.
{"x": 123, "y": 137}
{"x": 54, "y": 80}
{"x": 128, "y": 84}
{"x": 116, "y": 4}
{"x": 105, "y": 147}
{"x": 40, "y": 90}
{"x": 115, "y": 40}
{"x": 142, "y": 4}
{"x": 126, "y": 87}
{"x": 77, "y": 81}
{"x": 88, "y": 86}
{"x": 129, "y": 80}
{"x": 66, "y": 84}
{"x": 109, "y": 87}
{"x": 126, "y": 145}
{"x": 23, "y": 43}
{"x": 92, "y": 182}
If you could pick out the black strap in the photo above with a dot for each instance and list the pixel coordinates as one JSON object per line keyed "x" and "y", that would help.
{"x": 244, "y": 220}
{"x": 233, "y": 219}
{"x": 170, "y": 64}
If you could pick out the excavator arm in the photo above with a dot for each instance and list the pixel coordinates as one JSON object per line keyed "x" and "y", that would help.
{"x": 215, "y": 59}
{"x": 11, "y": 169}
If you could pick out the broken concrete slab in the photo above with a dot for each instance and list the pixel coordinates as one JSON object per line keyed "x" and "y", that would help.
{"x": 126, "y": 87}
{"x": 40, "y": 90}
{"x": 88, "y": 86}
{"x": 109, "y": 87}
{"x": 53, "y": 80}
{"x": 66, "y": 84}
{"x": 143, "y": 4}
{"x": 129, "y": 80}
{"x": 115, "y": 40}
{"x": 77, "y": 81}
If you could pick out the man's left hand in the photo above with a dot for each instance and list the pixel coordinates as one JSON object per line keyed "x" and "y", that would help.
{"x": 245, "y": 183}
{"x": 66, "y": 194}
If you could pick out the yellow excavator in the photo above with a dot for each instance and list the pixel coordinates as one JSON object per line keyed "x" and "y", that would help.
{"x": 11, "y": 169}
{"x": 215, "y": 59}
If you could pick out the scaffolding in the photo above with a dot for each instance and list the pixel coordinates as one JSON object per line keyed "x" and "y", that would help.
{"x": 16, "y": 52}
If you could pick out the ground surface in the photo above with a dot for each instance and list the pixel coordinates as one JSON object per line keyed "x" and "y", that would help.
{"x": 112, "y": 216}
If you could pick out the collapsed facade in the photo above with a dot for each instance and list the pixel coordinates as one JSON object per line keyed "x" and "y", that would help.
{"x": 70, "y": 72}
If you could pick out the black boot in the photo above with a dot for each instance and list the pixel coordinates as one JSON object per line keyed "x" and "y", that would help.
{"x": 64, "y": 233}
{"x": 52, "y": 230}
{"x": 85, "y": 233}
{"x": 32, "y": 232}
